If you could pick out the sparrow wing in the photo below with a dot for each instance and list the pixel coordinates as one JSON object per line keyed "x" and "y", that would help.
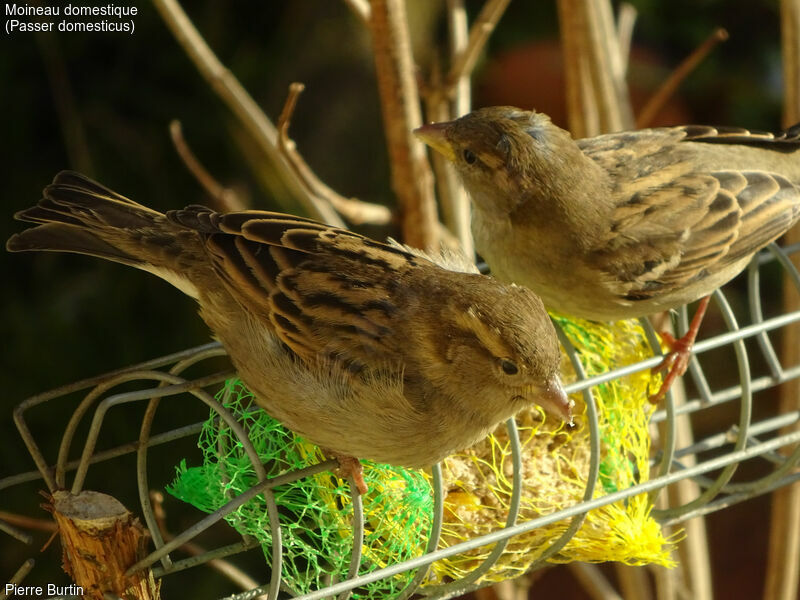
{"x": 676, "y": 222}
{"x": 326, "y": 291}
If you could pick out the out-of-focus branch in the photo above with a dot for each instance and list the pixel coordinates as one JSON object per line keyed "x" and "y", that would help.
{"x": 452, "y": 196}
{"x": 223, "y": 199}
{"x": 28, "y": 522}
{"x": 606, "y": 68}
{"x": 580, "y": 98}
{"x": 626, "y": 19}
{"x": 352, "y": 209}
{"x": 73, "y": 133}
{"x": 360, "y": 8}
{"x": 412, "y": 180}
{"x": 464, "y": 62}
{"x": 667, "y": 89}
{"x": 593, "y": 581}
{"x": 783, "y": 558}
{"x": 241, "y": 104}
{"x": 594, "y": 67}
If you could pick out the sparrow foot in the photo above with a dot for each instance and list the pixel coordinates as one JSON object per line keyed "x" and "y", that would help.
{"x": 677, "y": 361}
{"x": 350, "y": 466}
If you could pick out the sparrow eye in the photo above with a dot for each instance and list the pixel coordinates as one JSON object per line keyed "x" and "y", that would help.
{"x": 469, "y": 156}
{"x": 509, "y": 368}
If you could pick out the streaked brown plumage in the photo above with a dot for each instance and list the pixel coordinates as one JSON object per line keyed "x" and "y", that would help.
{"x": 625, "y": 224}
{"x": 367, "y": 349}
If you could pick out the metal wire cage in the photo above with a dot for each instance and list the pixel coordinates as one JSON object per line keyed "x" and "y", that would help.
{"x": 711, "y": 462}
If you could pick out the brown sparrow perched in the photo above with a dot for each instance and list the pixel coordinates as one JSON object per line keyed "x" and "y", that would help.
{"x": 367, "y": 349}
{"x": 620, "y": 225}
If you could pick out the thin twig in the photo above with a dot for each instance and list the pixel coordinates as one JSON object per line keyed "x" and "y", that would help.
{"x": 224, "y": 199}
{"x": 354, "y": 210}
{"x": 28, "y": 522}
{"x": 360, "y": 8}
{"x": 412, "y": 180}
{"x": 464, "y": 62}
{"x": 19, "y": 576}
{"x": 668, "y": 88}
{"x": 228, "y": 88}
{"x": 783, "y": 557}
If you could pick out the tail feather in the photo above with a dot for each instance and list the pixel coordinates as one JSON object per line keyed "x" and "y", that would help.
{"x": 82, "y": 216}
{"x": 59, "y": 237}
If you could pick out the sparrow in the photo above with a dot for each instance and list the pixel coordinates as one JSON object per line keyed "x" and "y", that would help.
{"x": 621, "y": 225}
{"x": 367, "y": 349}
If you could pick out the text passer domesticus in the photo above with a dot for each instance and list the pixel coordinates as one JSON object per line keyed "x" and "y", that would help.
{"x": 369, "y": 350}
{"x": 620, "y": 225}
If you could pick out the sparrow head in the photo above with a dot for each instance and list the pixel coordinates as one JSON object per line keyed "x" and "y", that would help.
{"x": 503, "y": 349}
{"x": 502, "y": 152}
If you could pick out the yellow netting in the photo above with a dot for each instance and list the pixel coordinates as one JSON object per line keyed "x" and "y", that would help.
{"x": 555, "y": 467}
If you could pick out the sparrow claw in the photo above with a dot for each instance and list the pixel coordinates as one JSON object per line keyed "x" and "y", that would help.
{"x": 677, "y": 361}
{"x": 351, "y": 467}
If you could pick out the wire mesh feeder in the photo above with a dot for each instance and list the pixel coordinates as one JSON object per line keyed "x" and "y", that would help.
{"x": 443, "y": 552}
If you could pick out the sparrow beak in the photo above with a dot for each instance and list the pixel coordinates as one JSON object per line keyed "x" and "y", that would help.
{"x": 433, "y": 134}
{"x": 554, "y": 399}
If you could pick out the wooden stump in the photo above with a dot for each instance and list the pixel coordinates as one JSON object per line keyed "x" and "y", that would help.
{"x": 101, "y": 539}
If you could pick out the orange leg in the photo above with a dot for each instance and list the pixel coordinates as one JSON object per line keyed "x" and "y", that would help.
{"x": 677, "y": 361}
{"x": 350, "y": 466}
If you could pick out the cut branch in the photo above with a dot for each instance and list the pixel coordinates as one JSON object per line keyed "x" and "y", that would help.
{"x": 100, "y": 540}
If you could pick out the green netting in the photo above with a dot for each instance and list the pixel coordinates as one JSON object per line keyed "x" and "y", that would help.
{"x": 315, "y": 513}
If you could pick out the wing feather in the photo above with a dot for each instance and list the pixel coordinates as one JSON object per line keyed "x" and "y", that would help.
{"x": 705, "y": 223}
{"x": 326, "y": 291}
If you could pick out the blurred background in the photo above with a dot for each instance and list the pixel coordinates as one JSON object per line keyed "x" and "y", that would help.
{"x": 101, "y": 103}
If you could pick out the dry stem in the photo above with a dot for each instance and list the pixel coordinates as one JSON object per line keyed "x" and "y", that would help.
{"x": 593, "y": 581}
{"x": 626, "y": 19}
{"x": 223, "y": 199}
{"x": 464, "y": 61}
{"x": 412, "y": 180}
{"x": 783, "y": 558}
{"x": 452, "y": 196}
{"x": 73, "y": 132}
{"x": 354, "y": 210}
{"x": 667, "y": 89}
{"x": 240, "y": 102}
{"x": 581, "y": 106}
